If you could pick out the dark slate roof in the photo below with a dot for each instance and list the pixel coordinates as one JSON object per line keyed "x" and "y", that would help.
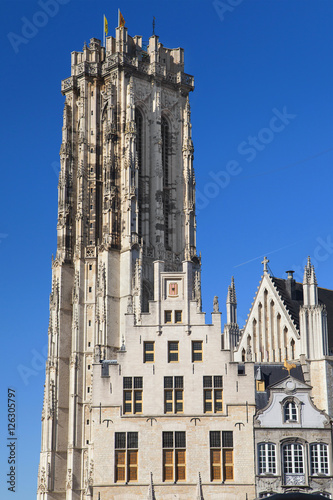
{"x": 293, "y": 298}
{"x": 272, "y": 373}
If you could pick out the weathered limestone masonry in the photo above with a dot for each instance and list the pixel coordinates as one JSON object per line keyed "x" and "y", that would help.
{"x": 140, "y": 398}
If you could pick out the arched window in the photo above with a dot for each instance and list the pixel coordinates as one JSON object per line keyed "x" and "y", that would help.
{"x": 165, "y": 166}
{"x": 266, "y": 458}
{"x": 290, "y": 412}
{"x": 139, "y": 153}
{"x": 293, "y": 464}
{"x": 292, "y": 348}
{"x": 319, "y": 458}
{"x": 243, "y": 355}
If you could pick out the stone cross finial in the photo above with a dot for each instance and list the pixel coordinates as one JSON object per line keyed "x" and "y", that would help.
{"x": 265, "y": 262}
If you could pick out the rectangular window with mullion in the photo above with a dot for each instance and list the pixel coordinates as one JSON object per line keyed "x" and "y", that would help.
{"x": 126, "y": 457}
{"x": 196, "y": 351}
{"x": 133, "y": 395}
{"x": 173, "y": 352}
{"x": 213, "y": 394}
{"x": 149, "y": 352}
{"x": 173, "y": 395}
{"x": 174, "y": 456}
{"x": 221, "y": 456}
{"x": 319, "y": 458}
{"x": 266, "y": 458}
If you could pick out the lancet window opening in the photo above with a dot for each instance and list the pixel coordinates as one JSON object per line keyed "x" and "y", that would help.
{"x": 166, "y": 186}
{"x": 139, "y": 152}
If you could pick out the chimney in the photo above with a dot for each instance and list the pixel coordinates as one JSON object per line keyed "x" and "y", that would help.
{"x": 290, "y": 284}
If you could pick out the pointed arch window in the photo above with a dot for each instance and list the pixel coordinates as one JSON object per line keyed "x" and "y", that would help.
{"x": 139, "y": 153}
{"x": 165, "y": 133}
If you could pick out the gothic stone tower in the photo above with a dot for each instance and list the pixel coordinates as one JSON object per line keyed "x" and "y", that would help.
{"x": 126, "y": 199}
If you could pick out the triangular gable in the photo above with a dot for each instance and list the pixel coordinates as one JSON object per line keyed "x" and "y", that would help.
{"x": 273, "y": 324}
{"x": 283, "y": 384}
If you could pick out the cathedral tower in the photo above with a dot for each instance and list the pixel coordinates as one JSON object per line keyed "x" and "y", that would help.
{"x": 126, "y": 199}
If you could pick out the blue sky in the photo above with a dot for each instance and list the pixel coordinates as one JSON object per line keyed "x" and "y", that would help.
{"x": 262, "y": 127}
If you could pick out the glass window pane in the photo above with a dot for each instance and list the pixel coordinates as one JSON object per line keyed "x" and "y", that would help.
{"x": 120, "y": 440}
{"x": 180, "y": 439}
{"x": 138, "y": 383}
{"x": 215, "y": 439}
{"x": 132, "y": 440}
{"x": 227, "y": 439}
{"x": 167, "y": 439}
{"x": 178, "y": 382}
{"x": 127, "y": 381}
{"x": 207, "y": 381}
{"x": 168, "y": 382}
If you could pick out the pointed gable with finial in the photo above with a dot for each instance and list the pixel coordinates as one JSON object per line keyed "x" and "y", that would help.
{"x": 271, "y": 332}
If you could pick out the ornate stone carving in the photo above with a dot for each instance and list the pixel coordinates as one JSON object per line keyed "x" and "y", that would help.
{"x": 69, "y": 484}
{"x": 42, "y": 486}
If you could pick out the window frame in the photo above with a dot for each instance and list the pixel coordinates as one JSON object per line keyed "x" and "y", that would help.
{"x": 127, "y": 452}
{"x": 291, "y": 407}
{"x": 167, "y": 312}
{"x": 197, "y": 351}
{"x": 175, "y": 396}
{"x": 221, "y": 449}
{"x": 214, "y": 399}
{"x": 323, "y": 461}
{"x": 293, "y": 461}
{"x": 172, "y": 352}
{"x": 133, "y": 396}
{"x": 176, "y": 465}
{"x": 267, "y": 466}
{"x": 148, "y": 352}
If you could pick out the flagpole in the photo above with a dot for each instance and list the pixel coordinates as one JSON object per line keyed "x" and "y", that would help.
{"x": 103, "y": 30}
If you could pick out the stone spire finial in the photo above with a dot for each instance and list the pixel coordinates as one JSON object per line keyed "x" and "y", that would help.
{"x": 231, "y": 303}
{"x": 309, "y": 274}
{"x": 231, "y": 297}
{"x": 265, "y": 262}
{"x": 310, "y": 291}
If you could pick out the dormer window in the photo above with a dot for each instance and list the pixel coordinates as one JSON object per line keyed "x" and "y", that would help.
{"x": 291, "y": 410}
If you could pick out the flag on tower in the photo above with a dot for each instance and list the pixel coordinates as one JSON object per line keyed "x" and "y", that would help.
{"x": 105, "y": 25}
{"x": 121, "y": 20}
